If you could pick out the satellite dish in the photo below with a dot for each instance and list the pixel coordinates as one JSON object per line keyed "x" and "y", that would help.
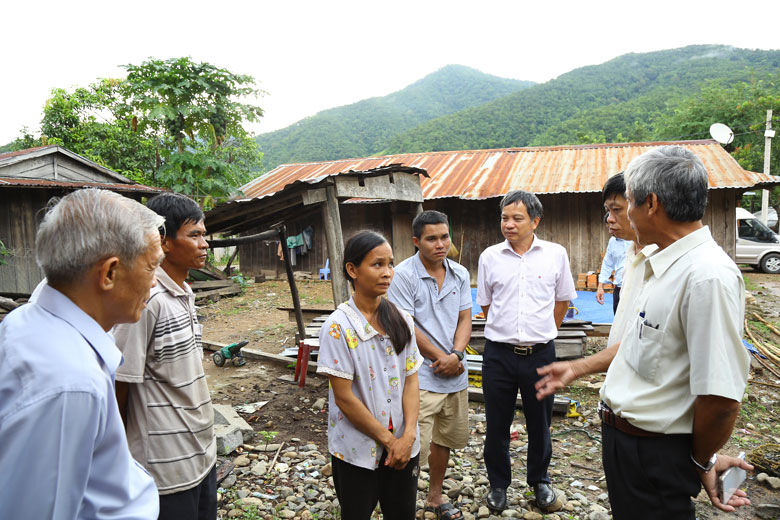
{"x": 721, "y": 133}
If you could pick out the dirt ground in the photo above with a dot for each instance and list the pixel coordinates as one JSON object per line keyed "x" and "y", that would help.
{"x": 254, "y": 316}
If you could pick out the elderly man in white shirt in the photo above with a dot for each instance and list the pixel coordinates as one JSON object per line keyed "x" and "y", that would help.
{"x": 524, "y": 287}
{"x": 673, "y": 390}
{"x": 99, "y": 252}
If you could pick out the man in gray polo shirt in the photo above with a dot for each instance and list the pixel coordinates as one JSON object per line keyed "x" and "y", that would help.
{"x": 161, "y": 386}
{"x": 437, "y": 293}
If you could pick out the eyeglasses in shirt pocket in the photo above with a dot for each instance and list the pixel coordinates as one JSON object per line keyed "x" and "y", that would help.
{"x": 643, "y": 352}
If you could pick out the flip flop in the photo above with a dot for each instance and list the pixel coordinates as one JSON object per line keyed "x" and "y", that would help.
{"x": 445, "y": 512}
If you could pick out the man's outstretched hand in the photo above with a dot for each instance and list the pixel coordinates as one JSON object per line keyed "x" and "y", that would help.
{"x": 554, "y": 377}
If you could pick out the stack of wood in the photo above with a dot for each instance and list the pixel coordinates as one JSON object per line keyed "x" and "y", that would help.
{"x": 769, "y": 356}
{"x": 8, "y": 304}
{"x": 212, "y": 290}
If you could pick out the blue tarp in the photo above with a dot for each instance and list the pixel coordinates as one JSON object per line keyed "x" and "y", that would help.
{"x": 589, "y": 309}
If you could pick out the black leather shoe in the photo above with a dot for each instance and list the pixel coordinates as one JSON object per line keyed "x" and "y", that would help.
{"x": 546, "y": 498}
{"x": 496, "y": 499}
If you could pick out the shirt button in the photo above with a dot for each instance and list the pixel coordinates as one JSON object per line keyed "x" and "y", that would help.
{"x": 388, "y": 400}
{"x": 381, "y": 338}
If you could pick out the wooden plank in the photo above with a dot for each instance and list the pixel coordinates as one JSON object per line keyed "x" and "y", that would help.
{"x": 212, "y": 284}
{"x": 251, "y": 353}
{"x": 335, "y": 241}
{"x": 403, "y": 247}
{"x": 313, "y": 196}
{"x": 380, "y": 187}
{"x": 224, "y": 291}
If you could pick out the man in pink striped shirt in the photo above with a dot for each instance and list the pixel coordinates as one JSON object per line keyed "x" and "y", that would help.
{"x": 524, "y": 287}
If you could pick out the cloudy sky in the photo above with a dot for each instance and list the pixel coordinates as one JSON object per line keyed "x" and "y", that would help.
{"x": 313, "y": 55}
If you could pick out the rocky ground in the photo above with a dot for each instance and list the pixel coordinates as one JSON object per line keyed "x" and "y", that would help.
{"x": 284, "y": 471}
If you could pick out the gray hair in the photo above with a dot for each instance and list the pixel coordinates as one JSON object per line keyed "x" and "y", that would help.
{"x": 89, "y": 225}
{"x": 677, "y": 177}
{"x": 529, "y": 200}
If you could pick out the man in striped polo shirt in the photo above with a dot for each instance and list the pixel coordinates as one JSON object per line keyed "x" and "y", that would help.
{"x": 161, "y": 387}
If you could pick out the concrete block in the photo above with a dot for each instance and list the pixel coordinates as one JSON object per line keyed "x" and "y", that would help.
{"x": 230, "y": 429}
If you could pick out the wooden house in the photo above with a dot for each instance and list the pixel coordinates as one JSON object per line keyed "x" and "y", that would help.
{"x": 468, "y": 185}
{"x": 28, "y": 179}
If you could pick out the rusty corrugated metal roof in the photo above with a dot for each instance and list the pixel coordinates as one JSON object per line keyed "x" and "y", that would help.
{"x": 481, "y": 174}
{"x": 8, "y": 182}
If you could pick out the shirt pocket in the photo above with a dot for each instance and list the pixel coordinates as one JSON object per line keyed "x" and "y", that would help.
{"x": 643, "y": 350}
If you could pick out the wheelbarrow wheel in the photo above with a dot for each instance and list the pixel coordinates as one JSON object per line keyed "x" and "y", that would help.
{"x": 218, "y": 358}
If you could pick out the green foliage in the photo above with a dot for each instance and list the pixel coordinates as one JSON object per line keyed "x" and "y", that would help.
{"x": 4, "y": 252}
{"x": 619, "y": 100}
{"x": 366, "y": 127}
{"x": 268, "y": 436}
{"x": 174, "y": 123}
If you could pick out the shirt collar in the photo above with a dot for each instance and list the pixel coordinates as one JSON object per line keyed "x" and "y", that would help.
{"x": 56, "y": 303}
{"x": 535, "y": 243}
{"x": 660, "y": 261}
{"x": 167, "y": 283}
{"x": 420, "y": 268}
{"x": 363, "y": 328}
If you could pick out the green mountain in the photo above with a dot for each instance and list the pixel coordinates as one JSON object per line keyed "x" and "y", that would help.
{"x": 366, "y": 127}
{"x": 619, "y": 100}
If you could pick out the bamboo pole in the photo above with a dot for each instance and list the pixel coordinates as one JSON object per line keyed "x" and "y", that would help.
{"x": 769, "y": 325}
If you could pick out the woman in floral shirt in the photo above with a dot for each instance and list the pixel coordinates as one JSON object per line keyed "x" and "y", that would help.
{"x": 368, "y": 351}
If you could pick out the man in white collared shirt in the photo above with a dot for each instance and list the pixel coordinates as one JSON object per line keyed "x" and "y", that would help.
{"x": 99, "y": 252}
{"x": 524, "y": 287}
{"x": 673, "y": 390}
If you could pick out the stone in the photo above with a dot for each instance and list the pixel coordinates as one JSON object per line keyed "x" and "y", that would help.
{"x": 281, "y": 467}
{"x": 510, "y": 513}
{"x": 260, "y": 468}
{"x": 228, "y": 481}
{"x": 319, "y": 404}
{"x": 235, "y": 513}
{"x": 251, "y": 501}
{"x": 774, "y": 482}
{"x": 327, "y": 470}
{"x": 241, "y": 461}
{"x": 577, "y": 484}
{"x": 768, "y": 511}
{"x": 286, "y": 513}
{"x": 533, "y": 515}
{"x": 230, "y": 429}
{"x": 598, "y": 515}
{"x": 483, "y": 512}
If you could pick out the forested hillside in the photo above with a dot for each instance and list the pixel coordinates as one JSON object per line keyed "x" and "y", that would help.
{"x": 366, "y": 127}
{"x": 620, "y": 100}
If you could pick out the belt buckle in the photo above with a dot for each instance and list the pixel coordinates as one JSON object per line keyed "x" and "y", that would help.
{"x": 523, "y": 351}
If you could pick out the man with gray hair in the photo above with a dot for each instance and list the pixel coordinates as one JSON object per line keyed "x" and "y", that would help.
{"x": 672, "y": 392}
{"x": 60, "y": 429}
{"x": 524, "y": 286}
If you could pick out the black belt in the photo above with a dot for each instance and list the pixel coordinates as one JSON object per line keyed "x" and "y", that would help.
{"x": 527, "y": 351}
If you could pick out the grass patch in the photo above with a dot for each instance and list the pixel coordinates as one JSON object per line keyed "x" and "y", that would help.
{"x": 750, "y": 285}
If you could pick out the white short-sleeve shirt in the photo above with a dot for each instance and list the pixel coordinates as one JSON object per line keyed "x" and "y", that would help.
{"x": 350, "y": 348}
{"x": 686, "y": 339}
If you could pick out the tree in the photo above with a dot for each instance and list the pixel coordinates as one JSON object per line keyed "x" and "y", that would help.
{"x": 173, "y": 123}
{"x": 742, "y": 106}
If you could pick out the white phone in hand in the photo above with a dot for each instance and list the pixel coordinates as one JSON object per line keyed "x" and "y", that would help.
{"x": 730, "y": 480}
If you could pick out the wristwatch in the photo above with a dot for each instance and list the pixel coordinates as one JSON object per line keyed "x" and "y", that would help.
{"x": 710, "y": 463}
{"x": 458, "y": 353}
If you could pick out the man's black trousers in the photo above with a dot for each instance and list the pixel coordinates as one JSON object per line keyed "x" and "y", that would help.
{"x": 503, "y": 374}
{"x": 649, "y": 477}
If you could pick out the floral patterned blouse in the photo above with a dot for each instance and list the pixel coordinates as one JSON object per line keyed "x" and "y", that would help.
{"x": 350, "y": 348}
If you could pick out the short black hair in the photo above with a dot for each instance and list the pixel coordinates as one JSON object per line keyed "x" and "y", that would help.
{"x": 615, "y": 185}
{"x": 177, "y": 210}
{"x": 531, "y": 202}
{"x": 427, "y": 218}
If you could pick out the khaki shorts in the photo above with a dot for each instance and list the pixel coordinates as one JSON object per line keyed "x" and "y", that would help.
{"x": 444, "y": 420}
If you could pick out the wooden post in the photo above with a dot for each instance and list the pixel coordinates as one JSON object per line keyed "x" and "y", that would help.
{"x": 403, "y": 247}
{"x": 291, "y": 280}
{"x": 335, "y": 240}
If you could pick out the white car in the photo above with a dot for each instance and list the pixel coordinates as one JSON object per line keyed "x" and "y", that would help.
{"x": 771, "y": 217}
{"x": 757, "y": 245}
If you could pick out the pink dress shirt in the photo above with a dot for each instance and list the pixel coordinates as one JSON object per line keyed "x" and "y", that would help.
{"x": 522, "y": 290}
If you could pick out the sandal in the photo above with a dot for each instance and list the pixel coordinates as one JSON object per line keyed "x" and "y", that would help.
{"x": 445, "y": 512}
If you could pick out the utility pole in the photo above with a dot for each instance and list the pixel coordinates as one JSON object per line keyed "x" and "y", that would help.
{"x": 768, "y": 135}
